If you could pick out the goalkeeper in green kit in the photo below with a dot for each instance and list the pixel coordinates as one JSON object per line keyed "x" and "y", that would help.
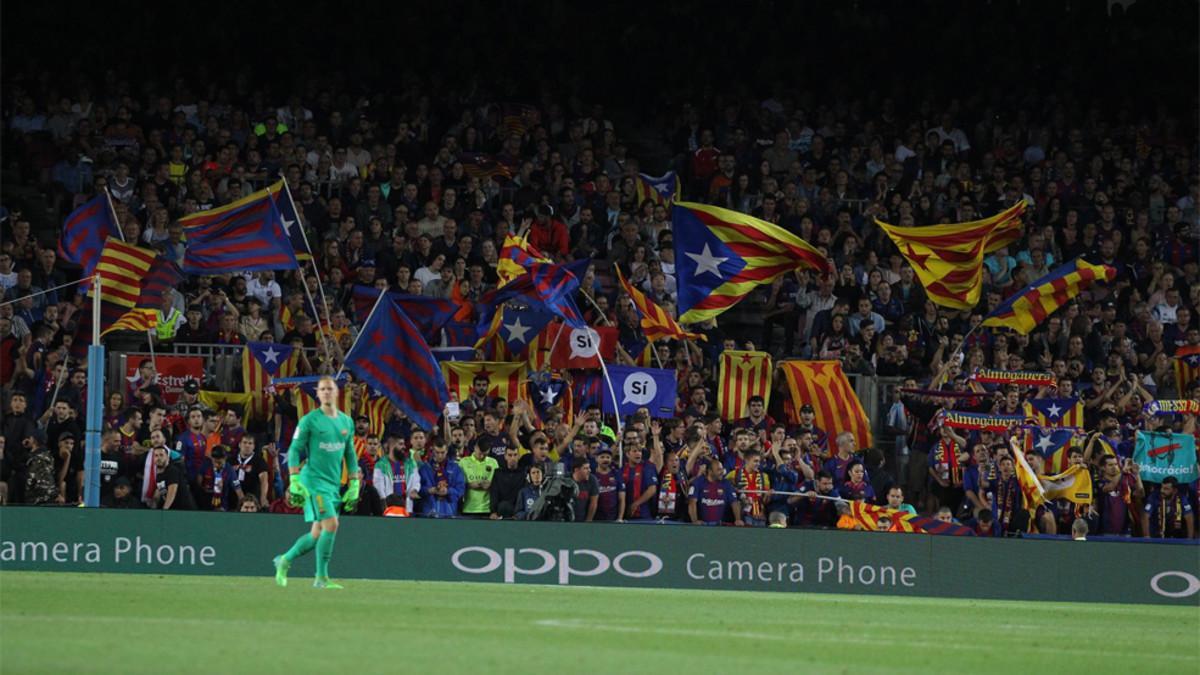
{"x": 327, "y": 435}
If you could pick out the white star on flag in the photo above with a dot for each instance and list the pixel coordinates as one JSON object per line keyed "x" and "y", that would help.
{"x": 1044, "y": 444}
{"x": 516, "y": 332}
{"x": 270, "y": 355}
{"x": 1053, "y": 411}
{"x": 707, "y": 262}
{"x": 548, "y": 396}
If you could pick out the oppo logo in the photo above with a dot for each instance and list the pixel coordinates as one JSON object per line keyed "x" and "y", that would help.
{"x": 1192, "y": 587}
{"x": 532, "y": 562}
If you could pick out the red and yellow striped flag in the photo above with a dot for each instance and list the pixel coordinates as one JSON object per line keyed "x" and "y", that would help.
{"x": 948, "y": 259}
{"x": 505, "y": 380}
{"x": 137, "y": 319}
{"x": 824, "y": 386}
{"x": 743, "y": 375}
{"x": 655, "y": 321}
{"x": 868, "y": 516}
{"x": 121, "y": 268}
{"x": 377, "y": 409}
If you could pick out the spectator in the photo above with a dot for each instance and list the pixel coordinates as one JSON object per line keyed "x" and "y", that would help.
{"x": 711, "y": 495}
{"x": 171, "y": 487}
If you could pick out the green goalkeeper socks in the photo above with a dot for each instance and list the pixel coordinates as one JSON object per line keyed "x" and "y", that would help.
{"x": 324, "y": 553}
{"x": 303, "y": 545}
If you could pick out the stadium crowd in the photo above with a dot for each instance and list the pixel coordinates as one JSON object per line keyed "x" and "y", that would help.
{"x": 418, "y": 191}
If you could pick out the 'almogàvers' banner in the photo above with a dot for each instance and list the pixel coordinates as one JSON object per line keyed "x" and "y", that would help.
{"x": 651, "y": 556}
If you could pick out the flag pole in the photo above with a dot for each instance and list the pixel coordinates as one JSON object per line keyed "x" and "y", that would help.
{"x": 361, "y": 331}
{"x": 150, "y": 341}
{"x": 957, "y": 350}
{"x": 654, "y": 351}
{"x": 313, "y": 262}
{"x": 113, "y": 210}
{"x": 95, "y": 406}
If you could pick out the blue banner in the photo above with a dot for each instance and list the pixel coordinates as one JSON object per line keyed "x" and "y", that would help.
{"x": 1165, "y": 454}
{"x": 652, "y": 388}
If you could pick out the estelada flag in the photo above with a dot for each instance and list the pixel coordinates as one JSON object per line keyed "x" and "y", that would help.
{"x": 743, "y": 375}
{"x": 948, "y": 259}
{"x": 1187, "y": 368}
{"x": 1055, "y": 412}
{"x": 661, "y": 190}
{"x": 579, "y": 348}
{"x": 121, "y": 268}
{"x": 824, "y": 386}
{"x": 505, "y": 380}
{"x": 1028, "y": 308}
{"x": 261, "y": 362}
{"x": 868, "y": 515}
{"x": 723, "y": 255}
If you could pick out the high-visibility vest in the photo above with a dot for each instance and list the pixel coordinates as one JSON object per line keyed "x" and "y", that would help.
{"x": 166, "y": 328}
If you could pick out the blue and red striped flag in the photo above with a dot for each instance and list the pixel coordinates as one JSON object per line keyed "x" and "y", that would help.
{"x": 429, "y": 314}
{"x": 392, "y": 357}
{"x": 461, "y": 334}
{"x": 586, "y": 386}
{"x": 84, "y": 233}
{"x": 1030, "y": 306}
{"x": 247, "y": 235}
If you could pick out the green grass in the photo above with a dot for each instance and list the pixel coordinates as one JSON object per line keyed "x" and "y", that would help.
{"x": 117, "y": 623}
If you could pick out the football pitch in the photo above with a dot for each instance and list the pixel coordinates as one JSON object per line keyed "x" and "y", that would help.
{"x": 116, "y": 623}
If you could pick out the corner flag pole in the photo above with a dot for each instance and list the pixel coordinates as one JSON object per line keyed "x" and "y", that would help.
{"x": 95, "y": 407}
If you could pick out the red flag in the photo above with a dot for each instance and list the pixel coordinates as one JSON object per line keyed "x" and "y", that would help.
{"x": 581, "y": 347}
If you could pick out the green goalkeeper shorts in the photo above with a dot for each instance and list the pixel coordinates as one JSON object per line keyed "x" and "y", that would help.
{"x": 321, "y": 504}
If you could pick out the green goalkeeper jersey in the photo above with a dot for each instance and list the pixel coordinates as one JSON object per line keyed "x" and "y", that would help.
{"x": 329, "y": 444}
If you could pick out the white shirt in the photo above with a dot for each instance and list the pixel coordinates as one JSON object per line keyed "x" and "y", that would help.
{"x": 1165, "y": 313}
{"x": 264, "y": 292}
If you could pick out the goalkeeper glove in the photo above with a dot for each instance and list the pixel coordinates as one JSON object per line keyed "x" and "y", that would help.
{"x": 297, "y": 493}
{"x": 350, "y": 499}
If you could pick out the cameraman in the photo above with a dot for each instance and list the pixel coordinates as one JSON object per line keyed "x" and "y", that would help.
{"x": 529, "y": 494}
{"x": 588, "y": 494}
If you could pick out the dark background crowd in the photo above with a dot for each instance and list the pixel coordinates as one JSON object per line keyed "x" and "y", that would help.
{"x": 414, "y": 142}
